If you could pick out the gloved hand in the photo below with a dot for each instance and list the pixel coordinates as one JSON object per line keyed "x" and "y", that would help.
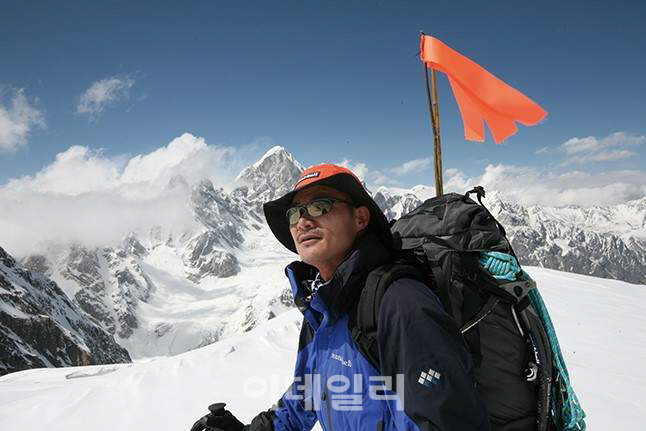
{"x": 500, "y": 265}
{"x": 220, "y": 419}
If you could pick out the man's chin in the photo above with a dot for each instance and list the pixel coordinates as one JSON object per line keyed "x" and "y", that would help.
{"x": 310, "y": 254}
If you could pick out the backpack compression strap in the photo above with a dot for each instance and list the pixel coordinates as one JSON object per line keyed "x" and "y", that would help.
{"x": 364, "y": 331}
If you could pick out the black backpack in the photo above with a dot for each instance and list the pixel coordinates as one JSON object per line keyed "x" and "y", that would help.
{"x": 440, "y": 243}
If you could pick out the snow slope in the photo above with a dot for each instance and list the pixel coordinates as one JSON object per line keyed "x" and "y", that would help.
{"x": 600, "y": 323}
{"x": 182, "y": 315}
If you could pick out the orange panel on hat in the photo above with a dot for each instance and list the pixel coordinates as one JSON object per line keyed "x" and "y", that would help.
{"x": 319, "y": 172}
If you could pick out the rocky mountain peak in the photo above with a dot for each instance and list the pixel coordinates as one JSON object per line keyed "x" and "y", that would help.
{"x": 132, "y": 246}
{"x": 6, "y": 259}
{"x": 276, "y": 155}
{"x": 220, "y": 212}
{"x": 271, "y": 176}
{"x": 395, "y": 202}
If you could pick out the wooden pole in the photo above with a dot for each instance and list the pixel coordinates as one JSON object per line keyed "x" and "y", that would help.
{"x": 439, "y": 183}
{"x": 435, "y": 119}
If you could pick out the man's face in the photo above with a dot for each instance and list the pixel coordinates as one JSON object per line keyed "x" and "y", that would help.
{"x": 325, "y": 240}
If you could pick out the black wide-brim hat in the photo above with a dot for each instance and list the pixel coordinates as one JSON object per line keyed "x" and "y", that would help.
{"x": 339, "y": 178}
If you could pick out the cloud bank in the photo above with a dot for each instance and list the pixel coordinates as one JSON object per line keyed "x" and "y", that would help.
{"x": 17, "y": 119}
{"x": 554, "y": 186}
{"x": 87, "y": 197}
{"x": 529, "y": 186}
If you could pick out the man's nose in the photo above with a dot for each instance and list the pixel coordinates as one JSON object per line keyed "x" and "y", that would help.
{"x": 305, "y": 221}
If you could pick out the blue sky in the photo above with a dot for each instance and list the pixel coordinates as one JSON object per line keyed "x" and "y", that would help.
{"x": 329, "y": 81}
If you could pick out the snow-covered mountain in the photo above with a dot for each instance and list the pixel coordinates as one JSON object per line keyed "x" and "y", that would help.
{"x": 270, "y": 177}
{"x": 607, "y": 242}
{"x": 600, "y": 324}
{"x": 162, "y": 293}
{"x": 396, "y": 202}
{"x": 41, "y": 327}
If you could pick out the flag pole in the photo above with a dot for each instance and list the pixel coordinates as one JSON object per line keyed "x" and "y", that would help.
{"x": 435, "y": 123}
{"x": 439, "y": 183}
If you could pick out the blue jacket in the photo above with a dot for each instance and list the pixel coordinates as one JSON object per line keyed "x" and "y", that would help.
{"x": 421, "y": 351}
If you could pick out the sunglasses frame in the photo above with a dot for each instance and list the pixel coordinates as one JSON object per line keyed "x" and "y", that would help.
{"x": 301, "y": 207}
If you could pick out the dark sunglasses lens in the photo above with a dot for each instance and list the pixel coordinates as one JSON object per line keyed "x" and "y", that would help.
{"x": 314, "y": 209}
{"x": 318, "y": 208}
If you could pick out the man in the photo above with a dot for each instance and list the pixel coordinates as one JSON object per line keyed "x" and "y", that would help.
{"x": 425, "y": 377}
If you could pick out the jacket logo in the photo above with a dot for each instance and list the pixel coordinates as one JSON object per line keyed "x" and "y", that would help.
{"x": 344, "y": 362}
{"x": 429, "y": 378}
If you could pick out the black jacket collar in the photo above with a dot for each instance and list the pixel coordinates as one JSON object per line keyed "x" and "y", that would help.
{"x": 342, "y": 291}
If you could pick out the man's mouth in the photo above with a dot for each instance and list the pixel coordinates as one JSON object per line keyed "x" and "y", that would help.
{"x": 308, "y": 238}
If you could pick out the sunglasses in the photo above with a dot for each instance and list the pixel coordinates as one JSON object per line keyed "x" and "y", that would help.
{"x": 316, "y": 208}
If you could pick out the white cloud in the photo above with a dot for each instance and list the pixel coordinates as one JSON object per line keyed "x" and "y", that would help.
{"x": 388, "y": 177}
{"x": 529, "y": 186}
{"x": 381, "y": 179}
{"x": 86, "y": 196}
{"x": 607, "y": 156}
{"x": 103, "y": 93}
{"x": 591, "y": 149}
{"x": 417, "y": 165}
{"x": 372, "y": 178}
{"x": 75, "y": 171}
{"x": 359, "y": 169}
{"x": 185, "y": 155}
{"x": 17, "y": 119}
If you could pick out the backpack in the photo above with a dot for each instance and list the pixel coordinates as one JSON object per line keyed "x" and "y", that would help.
{"x": 521, "y": 375}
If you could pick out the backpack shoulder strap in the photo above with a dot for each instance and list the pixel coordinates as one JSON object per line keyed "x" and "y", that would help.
{"x": 366, "y": 313}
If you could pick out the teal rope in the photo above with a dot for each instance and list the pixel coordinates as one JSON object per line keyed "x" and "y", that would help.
{"x": 504, "y": 266}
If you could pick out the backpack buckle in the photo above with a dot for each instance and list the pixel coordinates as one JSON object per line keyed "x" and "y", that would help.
{"x": 519, "y": 289}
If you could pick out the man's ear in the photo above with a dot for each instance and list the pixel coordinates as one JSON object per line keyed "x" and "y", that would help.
{"x": 362, "y": 217}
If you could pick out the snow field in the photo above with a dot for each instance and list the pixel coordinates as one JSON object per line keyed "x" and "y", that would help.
{"x": 600, "y": 324}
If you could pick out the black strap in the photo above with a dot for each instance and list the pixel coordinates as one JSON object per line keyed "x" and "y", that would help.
{"x": 522, "y": 304}
{"x": 373, "y": 292}
{"x": 543, "y": 357}
{"x": 364, "y": 332}
{"x": 484, "y": 312}
{"x": 440, "y": 283}
{"x": 479, "y": 191}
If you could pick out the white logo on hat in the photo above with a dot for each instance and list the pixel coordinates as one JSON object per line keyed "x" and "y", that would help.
{"x": 308, "y": 176}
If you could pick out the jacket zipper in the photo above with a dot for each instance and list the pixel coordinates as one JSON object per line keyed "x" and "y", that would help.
{"x": 327, "y": 406}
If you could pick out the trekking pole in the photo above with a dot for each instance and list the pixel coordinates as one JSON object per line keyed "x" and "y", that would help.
{"x": 435, "y": 124}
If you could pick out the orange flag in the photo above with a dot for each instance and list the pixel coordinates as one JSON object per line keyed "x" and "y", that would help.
{"x": 480, "y": 95}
